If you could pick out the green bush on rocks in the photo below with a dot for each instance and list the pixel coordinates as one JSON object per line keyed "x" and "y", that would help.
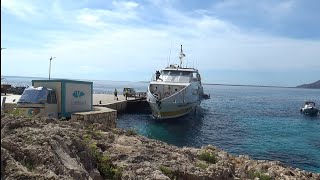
{"x": 167, "y": 171}
{"x": 105, "y": 166}
{"x": 208, "y": 157}
{"x": 261, "y": 176}
{"x": 131, "y": 132}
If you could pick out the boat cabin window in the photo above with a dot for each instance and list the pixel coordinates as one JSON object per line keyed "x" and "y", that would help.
{"x": 195, "y": 76}
{"x": 310, "y": 103}
{"x": 175, "y": 73}
{"x": 175, "y": 76}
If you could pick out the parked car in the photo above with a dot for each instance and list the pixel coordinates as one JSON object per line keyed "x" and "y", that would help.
{"x": 131, "y": 92}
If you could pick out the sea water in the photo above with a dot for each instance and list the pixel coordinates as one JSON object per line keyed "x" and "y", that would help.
{"x": 262, "y": 122}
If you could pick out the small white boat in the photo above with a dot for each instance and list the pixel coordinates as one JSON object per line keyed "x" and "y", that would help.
{"x": 174, "y": 91}
{"x": 309, "y": 108}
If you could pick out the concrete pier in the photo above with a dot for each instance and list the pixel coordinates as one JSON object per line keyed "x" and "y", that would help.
{"x": 121, "y": 105}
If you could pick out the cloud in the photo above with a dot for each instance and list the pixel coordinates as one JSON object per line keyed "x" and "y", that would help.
{"x": 90, "y": 19}
{"x": 21, "y": 9}
{"x": 125, "y": 5}
{"x": 113, "y": 42}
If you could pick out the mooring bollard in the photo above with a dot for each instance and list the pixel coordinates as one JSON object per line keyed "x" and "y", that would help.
{"x": 100, "y": 102}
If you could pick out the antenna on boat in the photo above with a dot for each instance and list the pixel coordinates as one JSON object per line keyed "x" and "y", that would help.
{"x": 170, "y": 53}
{"x": 181, "y": 56}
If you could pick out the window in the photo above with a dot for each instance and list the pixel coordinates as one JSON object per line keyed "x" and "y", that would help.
{"x": 51, "y": 98}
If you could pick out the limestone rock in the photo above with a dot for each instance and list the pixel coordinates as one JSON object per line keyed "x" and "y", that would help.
{"x": 52, "y": 149}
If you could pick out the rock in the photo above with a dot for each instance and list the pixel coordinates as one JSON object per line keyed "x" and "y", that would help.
{"x": 158, "y": 175}
{"x": 95, "y": 174}
{"x": 47, "y": 148}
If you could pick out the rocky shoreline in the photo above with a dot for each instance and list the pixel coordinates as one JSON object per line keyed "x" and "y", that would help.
{"x": 42, "y": 148}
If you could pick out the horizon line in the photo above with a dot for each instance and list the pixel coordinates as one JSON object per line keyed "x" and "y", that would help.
{"x": 142, "y": 81}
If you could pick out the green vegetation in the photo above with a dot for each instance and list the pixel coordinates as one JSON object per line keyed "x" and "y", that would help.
{"x": 261, "y": 176}
{"x": 87, "y": 138}
{"x": 208, "y": 157}
{"x": 202, "y": 165}
{"x": 29, "y": 165}
{"x": 167, "y": 171}
{"x": 93, "y": 149}
{"x": 16, "y": 112}
{"x": 108, "y": 169}
{"x": 131, "y": 132}
{"x": 105, "y": 166}
{"x": 115, "y": 131}
{"x": 96, "y": 133}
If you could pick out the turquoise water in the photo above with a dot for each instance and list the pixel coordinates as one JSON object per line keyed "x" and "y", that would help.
{"x": 264, "y": 123}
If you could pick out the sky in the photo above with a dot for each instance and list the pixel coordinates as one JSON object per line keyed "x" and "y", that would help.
{"x": 265, "y": 42}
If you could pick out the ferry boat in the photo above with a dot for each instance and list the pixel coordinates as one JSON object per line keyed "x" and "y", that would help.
{"x": 175, "y": 91}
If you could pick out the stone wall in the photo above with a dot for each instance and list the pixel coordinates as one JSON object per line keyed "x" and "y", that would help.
{"x": 100, "y": 115}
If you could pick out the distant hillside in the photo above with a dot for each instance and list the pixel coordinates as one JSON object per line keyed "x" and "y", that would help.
{"x": 315, "y": 85}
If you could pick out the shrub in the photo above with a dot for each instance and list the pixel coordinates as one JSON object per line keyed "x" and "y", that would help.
{"x": 105, "y": 166}
{"x": 109, "y": 170}
{"x": 93, "y": 150}
{"x": 97, "y": 133}
{"x": 29, "y": 165}
{"x": 87, "y": 138}
{"x": 15, "y": 112}
{"x": 261, "y": 176}
{"x": 131, "y": 132}
{"x": 167, "y": 171}
{"x": 208, "y": 157}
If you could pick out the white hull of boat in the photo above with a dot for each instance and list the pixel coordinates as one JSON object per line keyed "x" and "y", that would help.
{"x": 176, "y": 105}
{"x": 168, "y": 111}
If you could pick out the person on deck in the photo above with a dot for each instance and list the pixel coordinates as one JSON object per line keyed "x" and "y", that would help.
{"x": 157, "y": 75}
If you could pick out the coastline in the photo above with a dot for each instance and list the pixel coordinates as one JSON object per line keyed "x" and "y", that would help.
{"x": 53, "y": 149}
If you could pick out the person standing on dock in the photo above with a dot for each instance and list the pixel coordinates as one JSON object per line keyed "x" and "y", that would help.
{"x": 126, "y": 94}
{"x": 116, "y": 94}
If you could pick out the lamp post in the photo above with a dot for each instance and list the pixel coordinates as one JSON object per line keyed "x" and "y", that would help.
{"x": 50, "y": 66}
